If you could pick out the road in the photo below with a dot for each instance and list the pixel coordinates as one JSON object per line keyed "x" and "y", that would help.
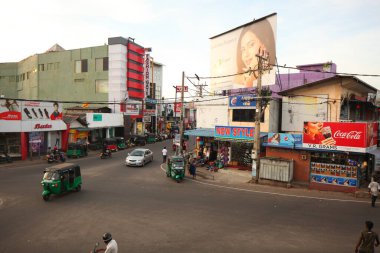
{"x": 147, "y": 212}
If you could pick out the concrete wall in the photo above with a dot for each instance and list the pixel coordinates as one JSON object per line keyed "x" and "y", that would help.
{"x": 27, "y": 86}
{"x": 8, "y": 84}
{"x": 212, "y": 113}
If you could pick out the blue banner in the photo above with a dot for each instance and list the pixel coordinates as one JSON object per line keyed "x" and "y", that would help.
{"x": 242, "y": 101}
{"x": 284, "y": 140}
{"x": 234, "y": 132}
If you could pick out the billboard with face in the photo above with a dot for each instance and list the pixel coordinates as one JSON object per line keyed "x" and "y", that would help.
{"x": 235, "y": 52}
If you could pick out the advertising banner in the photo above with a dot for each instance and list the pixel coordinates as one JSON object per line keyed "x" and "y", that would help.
{"x": 131, "y": 109}
{"x": 149, "y": 112}
{"x": 147, "y": 75}
{"x": 284, "y": 140}
{"x": 242, "y": 101}
{"x": 345, "y": 136}
{"x": 177, "y": 107}
{"x": 234, "y": 132}
{"x": 234, "y": 54}
{"x": 29, "y": 110}
{"x": 334, "y": 174}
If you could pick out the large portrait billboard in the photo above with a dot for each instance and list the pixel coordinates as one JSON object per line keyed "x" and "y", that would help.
{"x": 235, "y": 52}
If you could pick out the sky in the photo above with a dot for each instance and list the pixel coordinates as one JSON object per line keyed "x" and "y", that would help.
{"x": 346, "y": 32}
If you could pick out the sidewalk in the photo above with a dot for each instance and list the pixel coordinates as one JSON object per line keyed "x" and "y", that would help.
{"x": 234, "y": 178}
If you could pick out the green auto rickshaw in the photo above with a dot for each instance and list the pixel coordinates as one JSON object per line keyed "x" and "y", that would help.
{"x": 61, "y": 178}
{"x": 175, "y": 168}
{"x": 150, "y": 138}
{"x": 76, "y": 150}
{"x": 120, "y": 142}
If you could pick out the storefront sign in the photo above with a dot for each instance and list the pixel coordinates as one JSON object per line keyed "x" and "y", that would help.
{"x": 179, "y": 88}
{"x": 234, "y": 132}
{"x": 97, "y": 117}
{"x": 147, "y": 119}
{"x": 146, "y": 75}
{"x": 284, "y": 140}
{"x": 150, "y": 101}
{"x": 242, "y": 101}
{"x": 131, "y": 109}
{"x": 42, "y": 126}
{"x": 149, "y": 112}
{"x": 344, "y": 136}
{"x": 177, "y": 107}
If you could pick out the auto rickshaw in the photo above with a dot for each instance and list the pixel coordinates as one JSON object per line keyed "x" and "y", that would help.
{"x": 76, "y": 150}
{"x": 138, "y": 140}
{"x": 175, "y": 168}
{"x": 110, "y": 144}
{"x": 120, "y": 142}
{"x": 61, "y": 178}
{"x": 150, "y": 138}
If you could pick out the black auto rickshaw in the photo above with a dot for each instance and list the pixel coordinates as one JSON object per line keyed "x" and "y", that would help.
{"x": 138, "y": 140}
{"x": 175, "y": 168}
{"x": 76, "y": 150}
{"x": 61, "y": 178}
{"x": 120, "y": 142}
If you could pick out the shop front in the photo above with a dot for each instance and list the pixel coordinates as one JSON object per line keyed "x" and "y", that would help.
{"x": 30, "y": 128}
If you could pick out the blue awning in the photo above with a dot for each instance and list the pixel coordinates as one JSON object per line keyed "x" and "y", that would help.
{"x": 201, "y": 132}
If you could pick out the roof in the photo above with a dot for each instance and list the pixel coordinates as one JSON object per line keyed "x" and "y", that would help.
{"x": 61, "y": 166}
{"x": 202, "y": 132}
{"x": 247, "y": 24}
{"x": 307, "y": 85}
{"x": 55, "y": 48}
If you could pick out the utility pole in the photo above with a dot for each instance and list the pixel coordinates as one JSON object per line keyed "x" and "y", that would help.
{"x": 182, "y": 128}
{"x": 200, "y": 86}
{"x": 175, "y": 103}
{"x": 262, "y": 57}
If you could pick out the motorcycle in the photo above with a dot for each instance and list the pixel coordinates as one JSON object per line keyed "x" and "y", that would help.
{"x": 56, "y": 157}
{"x": 106, "y": 154}
{"x": 5, "y": 158}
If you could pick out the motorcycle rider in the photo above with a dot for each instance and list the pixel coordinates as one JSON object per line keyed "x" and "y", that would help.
{"x": 111, "y": 243}
{"x": 106, "y": 151}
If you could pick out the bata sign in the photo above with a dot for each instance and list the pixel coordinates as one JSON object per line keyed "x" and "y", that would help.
{"x": 357, "y": 137}
{"x": 42, "y": 126}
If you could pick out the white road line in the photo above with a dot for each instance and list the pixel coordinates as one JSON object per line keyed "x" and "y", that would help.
{"x": 274, "y": 193}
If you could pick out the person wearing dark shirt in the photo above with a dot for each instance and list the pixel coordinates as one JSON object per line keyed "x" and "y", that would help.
{"x": 368, "y": 240}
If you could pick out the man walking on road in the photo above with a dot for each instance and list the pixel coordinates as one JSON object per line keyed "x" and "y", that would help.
{"x": 373, "y": 189}
{"x": 368, "y": 240}
{"x": 164, "y": 154}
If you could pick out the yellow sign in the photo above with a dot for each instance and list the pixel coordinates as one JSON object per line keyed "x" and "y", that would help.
{"x": 140, "y": 128}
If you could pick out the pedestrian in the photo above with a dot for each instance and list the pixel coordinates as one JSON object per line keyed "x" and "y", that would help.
{"x": 368, "y": 240}
{"x": 193, "y": 170}
{"x": 164, "y": 154}
{"x": 373, "y": 189}
{"x": 111, "y": 243}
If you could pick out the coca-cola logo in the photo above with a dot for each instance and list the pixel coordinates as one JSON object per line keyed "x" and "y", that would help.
{"x": 42, "y": 126}
{"x": 352, "y": 135}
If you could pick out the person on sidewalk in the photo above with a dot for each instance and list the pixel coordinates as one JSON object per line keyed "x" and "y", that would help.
{"x": 373, "y": 189}
{"x": 368, "y": 240}
{"x": 193, "y": 170}
{"x": 164, "y": 154}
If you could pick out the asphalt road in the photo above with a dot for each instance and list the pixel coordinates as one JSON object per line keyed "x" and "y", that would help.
{"x": 147, "y": 212}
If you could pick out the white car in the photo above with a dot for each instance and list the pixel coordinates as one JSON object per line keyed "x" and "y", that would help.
{"x": 139, "y": 157}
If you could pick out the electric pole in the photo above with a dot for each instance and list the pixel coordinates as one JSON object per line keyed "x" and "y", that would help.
{"x": 182, "y": 114}
{"x": 262, "y": 57}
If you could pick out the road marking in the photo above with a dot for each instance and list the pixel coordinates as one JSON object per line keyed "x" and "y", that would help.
{"x": 273, "y": 193}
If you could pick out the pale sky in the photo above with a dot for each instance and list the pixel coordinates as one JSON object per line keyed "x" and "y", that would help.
{"x": 346, "y": 32}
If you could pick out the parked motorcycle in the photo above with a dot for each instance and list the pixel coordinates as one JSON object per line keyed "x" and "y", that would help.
{"x": 5, "y": 158}
{"x": 106, "y": 154}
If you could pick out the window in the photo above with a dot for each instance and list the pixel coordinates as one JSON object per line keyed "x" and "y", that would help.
{"x": 101, "y": 64}
{"x": 81, "y": 66}
{"x": 101, "y": 86}
{"x": 245, "y": 115}
{"x": 50, "y": 66}
{"x": 41, "y": 67}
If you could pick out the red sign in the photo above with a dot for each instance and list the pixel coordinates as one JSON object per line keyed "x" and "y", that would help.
{"x": 179, "y": 88}
{"x": 11, "y": 115}
{"x": 345, "y": 136}
{"x": 42, "y": 126}
{"x": 177, "y": 107}
{"x": 149, "y": 112}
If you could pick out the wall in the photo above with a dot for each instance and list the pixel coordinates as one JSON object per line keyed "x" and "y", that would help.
{"x": 211, "y": 113}
{"x": 8, "y": 85}
{"x": 301, "y": 167}
{"x": 306, "y": 107}
{"x": 28, "y": 87}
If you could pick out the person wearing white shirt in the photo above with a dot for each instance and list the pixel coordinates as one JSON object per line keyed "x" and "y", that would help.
{"x": 373, "y": 189}
{"x": 111, "y": 243}
{"x": 164, "y": 154}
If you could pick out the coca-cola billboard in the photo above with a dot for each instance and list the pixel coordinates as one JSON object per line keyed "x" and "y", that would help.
{"x": 344, "y": 136}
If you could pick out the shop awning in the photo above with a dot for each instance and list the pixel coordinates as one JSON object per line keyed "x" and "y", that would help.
{"x": 201, "y": 132}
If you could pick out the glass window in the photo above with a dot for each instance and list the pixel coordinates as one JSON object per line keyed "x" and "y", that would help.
{"x": 101, "y": 86}
{"x": 84, "y": 66}
{"x": 137, "y": 153}
{"x": 105, "y": 64}
{"x": 51, "y": 176}
{"x": 245, "y": 115}
{"x": 41, "y": 67}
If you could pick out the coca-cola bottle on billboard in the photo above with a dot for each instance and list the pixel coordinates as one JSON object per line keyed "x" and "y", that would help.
{"x": 327, "y": 134}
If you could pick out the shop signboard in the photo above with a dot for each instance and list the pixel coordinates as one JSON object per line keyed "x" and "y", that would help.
{"x": 284, "y": 140}
{"x": 147, "y": 119}
{"x": 97, "y": 117}
{"x": 149, "y": 112}
{"x": 131, "y": 109}
{"x": 344, "y": 136}
{"x": 177, "y": 107}
{"x": 242, "y": 101}
{"x": 234, "y": 132}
